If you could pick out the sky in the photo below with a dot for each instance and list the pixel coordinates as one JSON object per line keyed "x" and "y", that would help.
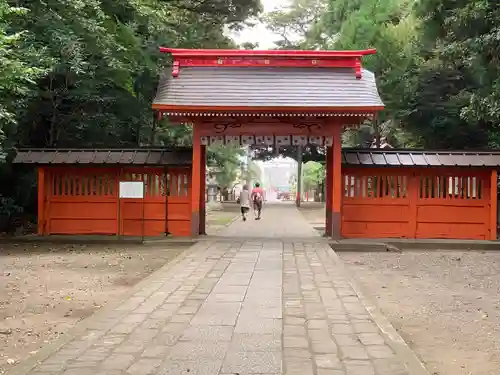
{"x": 259, "y": 34}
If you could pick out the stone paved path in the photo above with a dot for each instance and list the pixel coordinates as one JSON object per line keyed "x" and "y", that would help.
{"x": 242, "y": 307}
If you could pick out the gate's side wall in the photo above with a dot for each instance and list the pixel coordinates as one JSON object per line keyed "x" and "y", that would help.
{"x": 453, "y": 204}
{"x": 80, "y": 201}
{"x": 86, "y": 201}
{"x": 418, "y": 203}
{"x": 375, "y": 203}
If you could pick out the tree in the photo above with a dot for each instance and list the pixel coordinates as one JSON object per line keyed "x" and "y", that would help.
{"x": 313, "y": 177}
{"x": 83, "y": 73}
{"x": 456, "y": 93}
{"x": 297, "y": 25}
{"x": 17, "y": 72}
{"x": 226, "y": 162}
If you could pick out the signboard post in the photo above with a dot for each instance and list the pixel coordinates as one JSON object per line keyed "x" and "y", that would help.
{"x": 133, "y": 190}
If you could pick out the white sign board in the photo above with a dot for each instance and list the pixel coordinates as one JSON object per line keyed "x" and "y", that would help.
{"x": 131, "y": 189}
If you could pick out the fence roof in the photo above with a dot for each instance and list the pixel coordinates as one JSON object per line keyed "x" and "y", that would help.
{"x": 138, "y": 156}
{"x": 420, "y": 158}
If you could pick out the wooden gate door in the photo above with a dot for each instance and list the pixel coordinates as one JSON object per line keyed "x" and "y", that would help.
{"x": 453, "y": 204}
{"x": 80, "y": 201}
{"x": 375, "y": 203}
{"x": 144, "y": 217}
{"x": 179, "y": 201}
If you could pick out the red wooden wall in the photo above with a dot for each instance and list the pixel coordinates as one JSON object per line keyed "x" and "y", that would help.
{"x": 86, "y": 201}
{"x": 418, "y": 203}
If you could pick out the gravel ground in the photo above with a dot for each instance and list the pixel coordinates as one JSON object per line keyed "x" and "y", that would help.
{"x": 446, "y": 305}
{"x": 46, "y": 289}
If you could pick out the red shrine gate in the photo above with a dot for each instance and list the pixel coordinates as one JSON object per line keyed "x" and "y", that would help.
{"x": 268, "y": 98}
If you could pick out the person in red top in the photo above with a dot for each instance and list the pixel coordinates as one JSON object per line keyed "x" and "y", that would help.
{"x": 257, "y": 199}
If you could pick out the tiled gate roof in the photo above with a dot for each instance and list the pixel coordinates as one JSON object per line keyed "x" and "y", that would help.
{"x": 267, "y": 87}
{"x": 104, "y": 156}
{"x": 419, "y": 158}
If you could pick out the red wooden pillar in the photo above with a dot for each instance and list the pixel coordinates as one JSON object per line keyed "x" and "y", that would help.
{"x": 328, "y": 192}
{"x": 196, "y": 184}
{"x": 41, "y": 202}
{"x": 203, "y": 188}
{"x": 493, "y": 204}
{"x": 335, "y": 182}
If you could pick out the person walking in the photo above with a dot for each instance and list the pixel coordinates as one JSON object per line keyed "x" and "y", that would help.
{"x": 244, "y": 202}
{"x": 257, "y": 199}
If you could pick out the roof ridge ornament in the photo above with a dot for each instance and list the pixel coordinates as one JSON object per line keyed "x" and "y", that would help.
{"x": 268, "y": 58}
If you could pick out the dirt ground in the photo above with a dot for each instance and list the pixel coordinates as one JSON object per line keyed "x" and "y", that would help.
{"x": 446, "y": 305}
{"x": 46, "y": 289}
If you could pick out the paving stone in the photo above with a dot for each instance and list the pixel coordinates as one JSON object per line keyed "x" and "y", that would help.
{"x": 291, "y": 330}
{"x": 330, "y": 361}
{"x": 156, "y": 351}
{"x": 346, "y": 340}
{"x": 322, "y": 371}
{"x": 144, "y": 367}
{"x": 221, "y": 313}
{"x": 317, "y": 324}
{"x": 261, "y": 325}
{"x": 252, "y": 362}
{"x": 391, "y": 366}
{"x": 353, "y": 352}
{"x": 343, "y": 329}
{"x": 299, "y": 367}
{"x": 117, "y": 362}
{"x": 360, "y": 368}
{"x": 380, "y": 351}
{"x": 191, "y": 350}
{"x": 371, "y": 339}
{"x": 191, "y": 310}
{"x": 294, "y": 320}
{"x": 202, "y": 366}
{"x": 210, "y": 333}
{"x": 83, "y": 364}
{"x": 76, "y": 371}
{"x": 294, "y": 353}
{"x": 255, "y": 342}
{"x": 295, "y": 342}
{"x": 184, "y": 318}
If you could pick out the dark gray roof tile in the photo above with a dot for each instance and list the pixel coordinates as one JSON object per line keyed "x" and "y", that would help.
{"x": 103, "y": 156}
{"x": 413, "y": 158}
{"x": 267, "y": 87}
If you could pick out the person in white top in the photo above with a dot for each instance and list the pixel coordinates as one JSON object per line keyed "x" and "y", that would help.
{"x": 244, "y": 202}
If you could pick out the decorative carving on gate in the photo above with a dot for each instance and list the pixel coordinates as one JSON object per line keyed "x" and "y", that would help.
{"x": 221, "y": 128}
{"x": 310, "y": 127}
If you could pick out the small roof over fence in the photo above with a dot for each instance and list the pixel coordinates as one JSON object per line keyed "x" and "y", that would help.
{"x": 99, "y": 157}
{"x": 419, "y": 158}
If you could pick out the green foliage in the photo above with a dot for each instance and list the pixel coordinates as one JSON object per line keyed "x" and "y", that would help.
{"x": 313, "y": 175}
{"x": 437, "y": 64}
{"x": 83, "y": 73}
{"x": 226, "y": 162}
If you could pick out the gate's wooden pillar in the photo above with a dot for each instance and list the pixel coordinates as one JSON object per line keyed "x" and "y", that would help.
{"x": 196, "y": 184}
{"x": 335, "y": 183}
{"x": 328, "y": 191}
{"x": 493, "y": 204}
{"x": 41, "y": 201}
{"x": 203, "y": 187}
